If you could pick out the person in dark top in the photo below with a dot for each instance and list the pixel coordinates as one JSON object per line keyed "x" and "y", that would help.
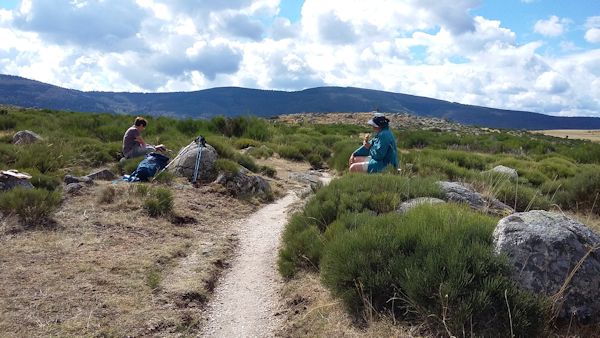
{"x": 133, "y": 143}
{"x": 377, "y": 153}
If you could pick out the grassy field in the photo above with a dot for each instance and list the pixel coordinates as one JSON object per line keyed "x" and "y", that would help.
{"x": 591, "y": 135}
{"x": 99, "y": 263}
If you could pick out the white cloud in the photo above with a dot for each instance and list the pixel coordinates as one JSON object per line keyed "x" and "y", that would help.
{"x": 592, "y": 35}
{"x": 553, "y": 27}
{"x": 417, "y": 47}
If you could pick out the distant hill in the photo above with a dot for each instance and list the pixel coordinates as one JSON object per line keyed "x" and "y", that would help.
{"x": 233, "y": 101}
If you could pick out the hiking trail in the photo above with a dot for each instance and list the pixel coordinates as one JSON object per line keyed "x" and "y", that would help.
{"x": 246, "y": 300}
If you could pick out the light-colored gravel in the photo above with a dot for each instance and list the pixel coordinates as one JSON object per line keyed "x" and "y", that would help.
{"x": 247, "y": 300}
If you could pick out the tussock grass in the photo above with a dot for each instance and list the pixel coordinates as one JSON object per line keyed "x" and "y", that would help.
{"x": 33, "y": 207}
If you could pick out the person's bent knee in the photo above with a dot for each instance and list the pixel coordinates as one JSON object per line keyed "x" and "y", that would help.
{"x": 357, "y": 167}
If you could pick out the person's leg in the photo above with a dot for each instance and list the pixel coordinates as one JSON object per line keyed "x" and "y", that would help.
{"x": 357, "y": 159}
{"x": 139, "y": 151}
{"x": 359, "y": 167}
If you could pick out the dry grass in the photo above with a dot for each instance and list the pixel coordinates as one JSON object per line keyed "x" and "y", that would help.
{"x": 110, "y": 270}
{"x": 592, "y": 135}
{"x": 312, "y": 312}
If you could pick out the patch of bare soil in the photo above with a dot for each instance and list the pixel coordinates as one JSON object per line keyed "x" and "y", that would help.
{"x": 592, "y": 135}
{"x": 108, "y": 269}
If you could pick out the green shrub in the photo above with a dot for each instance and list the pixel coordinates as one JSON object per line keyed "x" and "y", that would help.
{"x": 141, "y": 190}
{"x": 351, "y": 194}
{"x": 227, "y": 166}
{"x": 521, "y": 197}
{"x": 42, "y": 181}
{"x": 245, "y": 143}
{"x": 247, "y": 162}
{"x": 222, "y": 146}
{"x": 7, "y": 122}
{"x": 130, "y": 165}
{"x": 45, "y": 157}
{"x": 268, "y": 171}
{"x": 33, "y": 207}
{"x": 261, "y": 152}
{"x": 341, "y": 154}
{"x": 316, "y": 162}
{"x": 303, "y": 247}
{"x": 435, "y": 262}
{"x": 165, "y": 177}
{"x": 290, "y": 152}
{"x": 582, "y": 191}
{"x": 159, "y": 203}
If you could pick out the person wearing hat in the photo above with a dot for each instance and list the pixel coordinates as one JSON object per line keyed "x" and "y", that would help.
{"x": 378, "y": 152}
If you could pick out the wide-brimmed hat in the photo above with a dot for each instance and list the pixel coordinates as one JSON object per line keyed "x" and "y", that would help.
{"x": 379, "y": 120}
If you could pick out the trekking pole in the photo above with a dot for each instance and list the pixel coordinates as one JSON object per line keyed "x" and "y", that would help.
{"x": 201, "y": 142}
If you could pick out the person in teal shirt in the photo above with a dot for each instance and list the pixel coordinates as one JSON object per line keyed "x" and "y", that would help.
{"x": 378, "y": 152}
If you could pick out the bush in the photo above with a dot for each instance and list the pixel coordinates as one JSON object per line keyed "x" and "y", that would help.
{"x": 32, "y": 206}
{"x": 247, "y": 162}
{"x": 581, "y": 192}
{"x": 43, "y": 157}
{"x": 7, "y": 122}
{"x": 165, "y": 177}
{"x": 341, "y": 154}
{"x": 227, "y": 166}
{"x": 436, "y": 262}
{"x": 245, "y": 143}
{"x": 290, "y": 152}
{"x": 222, "y": 146}
{"x": 351, "y": 194}
{"x": 261, "y": 152}
{"x": 42, "y": 181}
{"x": 159, "y": 203}
{"x": 130, "y": 165}
{"x": 316, "y": 162}
{"x": 268, "y": 171}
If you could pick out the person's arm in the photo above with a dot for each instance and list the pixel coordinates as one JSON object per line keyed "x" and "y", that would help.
{"x": 140, "y": 140}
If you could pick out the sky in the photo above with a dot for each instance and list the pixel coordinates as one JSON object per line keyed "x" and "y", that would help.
{"x": 533, "y": 55}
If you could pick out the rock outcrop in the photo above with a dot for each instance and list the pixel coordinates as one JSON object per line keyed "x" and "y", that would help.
{"x": 544, "y": 248}
{"x": 463, "y": 193}
{"x": 185, "y": 162}
{"x": 103, "y": 175}
{"x": 74, "y": 179}
{"x": 244, "y": 183}
{"x": 25, "y": 137}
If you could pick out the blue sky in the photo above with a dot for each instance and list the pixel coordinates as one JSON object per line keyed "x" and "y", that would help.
{"x": 536, "y": 55}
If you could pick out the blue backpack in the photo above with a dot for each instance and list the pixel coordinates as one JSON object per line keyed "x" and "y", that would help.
{"x": 149, "y": 166}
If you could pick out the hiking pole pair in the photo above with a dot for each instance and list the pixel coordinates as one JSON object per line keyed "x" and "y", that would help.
{"x": 201, "y": 142}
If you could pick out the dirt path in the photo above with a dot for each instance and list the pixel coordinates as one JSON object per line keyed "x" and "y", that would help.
{"x": 246, "y": 300}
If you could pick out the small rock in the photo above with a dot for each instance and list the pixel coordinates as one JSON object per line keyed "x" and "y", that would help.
{"x": 10, "y": 179}
{"x": 73, "y": 179}
{"x": 103, "y": 174}
{"x": 26, "y": 137}
{"x": 73, "y": 188}
{"x": 415, "y": 202}
{"x": 464, "y": 193}
{"x": 510, "y": 172}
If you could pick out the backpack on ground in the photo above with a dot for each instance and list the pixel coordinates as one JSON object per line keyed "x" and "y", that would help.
{"x": 149, "y": 166}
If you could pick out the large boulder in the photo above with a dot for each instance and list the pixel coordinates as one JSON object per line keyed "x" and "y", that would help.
{"x": 463, "y": 193}
{"x": 26, "y": 137}
{"x": 11, "y": 179}
{"x": 185, "y": 162}
{"x": 544, "y": 248}
{"x": 244, "y": 183}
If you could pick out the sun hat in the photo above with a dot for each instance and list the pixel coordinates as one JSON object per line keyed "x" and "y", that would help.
{"x": 379, "y": 120}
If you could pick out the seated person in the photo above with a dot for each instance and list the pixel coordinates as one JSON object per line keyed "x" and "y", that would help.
{"x": 377, "y": 153}
{"x": 133, "y": 143}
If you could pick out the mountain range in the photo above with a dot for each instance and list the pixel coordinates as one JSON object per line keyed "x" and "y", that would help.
{"x": 235, "y": 101}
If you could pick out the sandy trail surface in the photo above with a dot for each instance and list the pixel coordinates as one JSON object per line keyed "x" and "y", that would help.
{"x": 246, "y": 301}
